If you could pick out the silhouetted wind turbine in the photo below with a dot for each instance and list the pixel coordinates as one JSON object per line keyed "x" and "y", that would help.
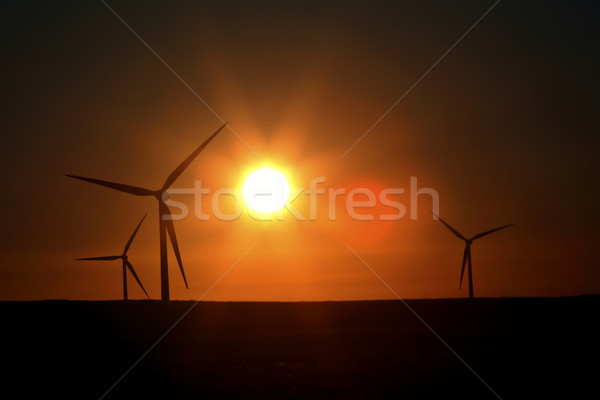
{"x": 164, "y": 219}
{"x": 467, "y": 255}
{"x": 126, "y": 264}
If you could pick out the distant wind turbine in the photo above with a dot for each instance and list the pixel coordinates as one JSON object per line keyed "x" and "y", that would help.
{"x": 126, "y": 264}
{"x": 164, "y": 215}
{"x": 467, "y": 255}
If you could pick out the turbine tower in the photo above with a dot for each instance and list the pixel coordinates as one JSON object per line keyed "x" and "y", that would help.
{"x": 126, "y": 264}
{"x": 467, "y": 254}
{"x": 165, "y": 221}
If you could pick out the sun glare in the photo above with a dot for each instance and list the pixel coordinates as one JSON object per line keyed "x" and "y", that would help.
{"x": 266, "y": 190}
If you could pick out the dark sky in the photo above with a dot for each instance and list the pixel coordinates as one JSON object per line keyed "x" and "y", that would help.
{"x": 505, "y": 128}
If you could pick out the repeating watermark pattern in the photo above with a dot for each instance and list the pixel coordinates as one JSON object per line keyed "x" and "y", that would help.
{"x": 359, "y": 203}
{"x": 419, "y": 80}
{"x": 179, "y": 78}
{"x": 363, "y": 199}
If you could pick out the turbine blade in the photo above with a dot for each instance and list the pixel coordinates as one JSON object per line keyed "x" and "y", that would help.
{"x": 133, "y": 235}
{"x": 138, "y": 191}
{"x": 130, "y": 267}
{"x": 490, "y": 231}
{"x": 451, "y": 228}
{"x": 105, "y": 258}
{"x": 173, "y": 238}
{"x": 179, "y": 170}
{"x": 464, "y": 263}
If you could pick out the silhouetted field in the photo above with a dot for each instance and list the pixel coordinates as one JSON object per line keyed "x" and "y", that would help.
{"x": 522, "y": 348}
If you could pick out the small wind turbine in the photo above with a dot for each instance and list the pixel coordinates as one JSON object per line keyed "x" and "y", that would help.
{"x": 467, "y": 255}
{"x": 165, "y": 222}
{"x": 126, "y": 264}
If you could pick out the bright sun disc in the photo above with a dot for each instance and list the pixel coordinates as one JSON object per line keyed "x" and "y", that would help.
{"x": 266, "y": 190}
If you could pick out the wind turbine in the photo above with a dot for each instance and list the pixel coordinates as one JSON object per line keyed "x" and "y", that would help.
{"x": 126, "y": 264}
{"x": 164, "y": 215}
{"x": 467, "y": 255}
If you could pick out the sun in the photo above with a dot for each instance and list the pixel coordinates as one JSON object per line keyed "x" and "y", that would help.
{"x": 266, "y": 190}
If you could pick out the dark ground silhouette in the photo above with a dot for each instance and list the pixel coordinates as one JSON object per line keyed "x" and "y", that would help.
{"x": 522, "y": 348}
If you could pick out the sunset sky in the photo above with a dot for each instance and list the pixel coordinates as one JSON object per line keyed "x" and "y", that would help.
{"x": 505, "y": 128}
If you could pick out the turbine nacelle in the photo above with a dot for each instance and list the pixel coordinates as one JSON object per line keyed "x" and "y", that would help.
{"x": 162, "y": 195}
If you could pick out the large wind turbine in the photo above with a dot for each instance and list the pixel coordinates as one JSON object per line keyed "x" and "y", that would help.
{"x": 126, "y": 264}
{"x": 467, "y": 255}
{"x": 164, "y": 215}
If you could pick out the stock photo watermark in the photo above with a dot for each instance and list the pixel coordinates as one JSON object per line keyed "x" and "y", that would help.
{"x": 274, "y": 202}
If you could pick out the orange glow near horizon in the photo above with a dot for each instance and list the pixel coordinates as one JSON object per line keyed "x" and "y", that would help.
{"x": 296, "y": 96}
